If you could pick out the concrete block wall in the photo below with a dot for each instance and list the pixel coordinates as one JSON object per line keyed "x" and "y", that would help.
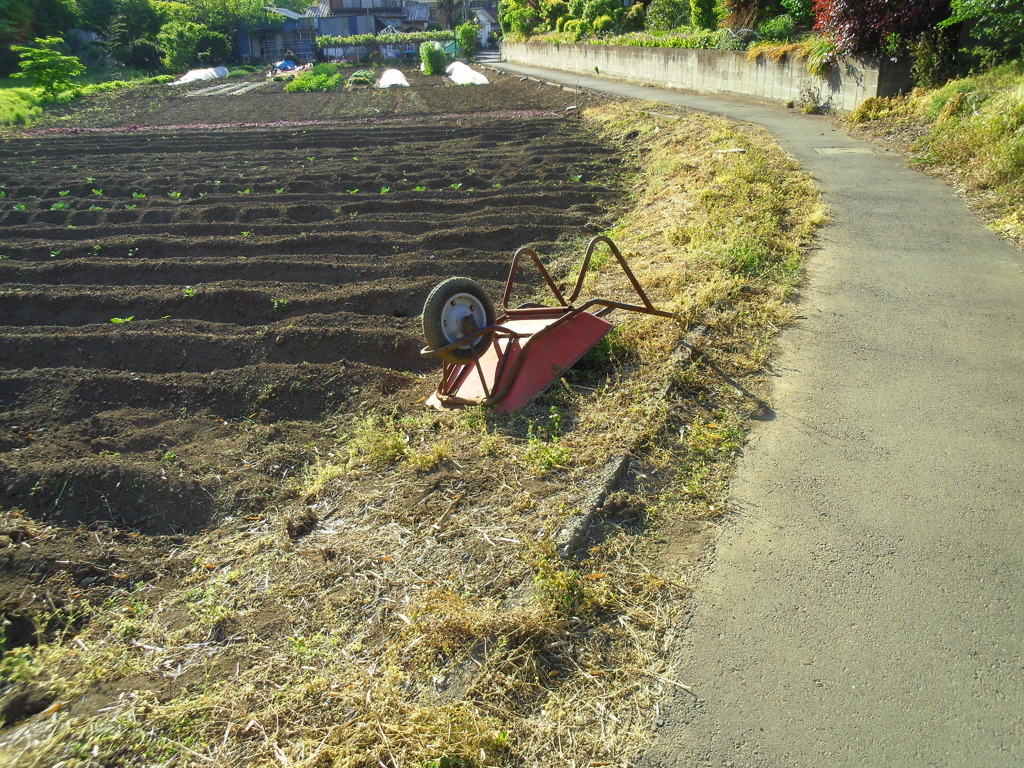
{"x": 849, "y": 83}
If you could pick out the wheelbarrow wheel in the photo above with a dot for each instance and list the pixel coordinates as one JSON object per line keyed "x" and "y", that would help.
{"x": 454, "y": 308}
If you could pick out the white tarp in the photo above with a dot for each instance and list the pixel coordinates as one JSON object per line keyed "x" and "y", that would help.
{"x": 392, "y": 77}
{"x": 463, "y": 75}
{"x": 201, "y": 74}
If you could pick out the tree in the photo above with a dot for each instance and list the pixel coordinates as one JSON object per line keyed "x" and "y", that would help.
{"x": 466, "y": 35}
{"x": 668, "y": 14}
{"x": 997, "y": 24}
{"x": 878, "y": 27}
{"x": 49, "y": 68}
{"x": 97, "y": 14}
{"x": 24, "y": 20}
{"x": 180, "y": 41}
{"x": 802, "y": 11}
{"x": 553, "y": 10}
{"x": 519, "y": 16}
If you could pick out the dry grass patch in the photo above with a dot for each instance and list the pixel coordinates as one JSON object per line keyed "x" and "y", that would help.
{"x": 410, "y": 607}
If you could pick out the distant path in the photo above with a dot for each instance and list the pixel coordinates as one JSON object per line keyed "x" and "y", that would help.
{"x": 866, "y": 606}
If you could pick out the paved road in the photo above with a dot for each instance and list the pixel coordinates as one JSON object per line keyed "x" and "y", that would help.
{"x": 866, "y": 605}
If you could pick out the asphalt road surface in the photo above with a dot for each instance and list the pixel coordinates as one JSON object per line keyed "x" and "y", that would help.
{"x": 865, "y": 605}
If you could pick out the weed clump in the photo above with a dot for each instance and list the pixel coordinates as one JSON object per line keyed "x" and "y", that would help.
{"x": 322, "y": 77}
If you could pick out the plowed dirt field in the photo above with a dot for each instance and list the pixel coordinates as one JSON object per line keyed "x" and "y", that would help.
{"x": 191, "y": 284}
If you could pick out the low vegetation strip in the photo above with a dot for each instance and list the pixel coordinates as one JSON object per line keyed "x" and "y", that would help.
{"x": 403, "y": 603}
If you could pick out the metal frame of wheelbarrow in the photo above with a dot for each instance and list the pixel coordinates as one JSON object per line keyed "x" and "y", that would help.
{"x": 531, "y": 335}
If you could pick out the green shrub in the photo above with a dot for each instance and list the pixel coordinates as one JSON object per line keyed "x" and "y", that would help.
{"x": 574, "y": 29}
{"x": 236, "y": 72}
{"x": 780, "y": 28}
{"x": 603, "y": 24}
{"x": 554, "y": 12}
{"x": 401, "y": 39}
{"x": 434, "y": 59}
{"x": 142, "y": 54}
{"x": 594, "y": 8}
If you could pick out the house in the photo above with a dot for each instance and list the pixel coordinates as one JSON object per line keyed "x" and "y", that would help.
{"x": 361, "y": 17}
{"x": 293, "y": 35}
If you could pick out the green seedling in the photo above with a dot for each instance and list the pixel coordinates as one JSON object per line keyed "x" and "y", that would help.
{"x": 244, "y": 191}
{"x": 352, "y": 191}
{"x": 246, "y": 233}
{"x": 95, "y": 208}
{"x": 138, "y": 195}
{"x": 64, "y": 193}
{"x": 456, "y": 186}
{"x": 90, "y": 179}
{"x": 19, "y": 206}
{"x": 119, "y": 320}
{"x": 59, "y": 206}
{"x": 174, "y": 195}
{"x": 96, "y": 249}
{"x": 419, "y": 189}
{"x": 98, "y": 192}
{"x": 128, "y": 207}
{"x": 279, "y": 191}
{"x": 279, "y": 305}
{"x": 385, "y": 190}
{"x": 189, "y": 292}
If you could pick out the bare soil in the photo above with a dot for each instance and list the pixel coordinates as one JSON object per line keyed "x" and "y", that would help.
{"x": 196, "y": 286}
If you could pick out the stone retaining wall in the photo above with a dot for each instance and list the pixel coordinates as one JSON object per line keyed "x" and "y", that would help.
{"x": 721, "y": 72}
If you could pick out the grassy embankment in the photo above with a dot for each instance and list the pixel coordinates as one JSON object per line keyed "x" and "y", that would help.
{"x": 971, "y": 130}
{"x": 389, "y": 620}
{"x": 21, "y": 105}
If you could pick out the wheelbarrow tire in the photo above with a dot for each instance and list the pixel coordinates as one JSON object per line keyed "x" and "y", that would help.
{"x": 456, "y": 298}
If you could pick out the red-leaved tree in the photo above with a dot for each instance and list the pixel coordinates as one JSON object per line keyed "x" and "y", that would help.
{"x": 871, "y": 27}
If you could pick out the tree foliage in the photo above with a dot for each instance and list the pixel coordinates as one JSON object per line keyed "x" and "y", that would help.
{"x": 801, "y": 11}
{"x": 663, "y": 15}
{"x": 50, "y": 69}
{"x": 186, "y": 42}
{"x": 519, "y": 17}
{"x": 875, "y": 27}
{"x": 997, "y": 25}
{"x": 702, "y": 14}
{"x": 466, "y": 35}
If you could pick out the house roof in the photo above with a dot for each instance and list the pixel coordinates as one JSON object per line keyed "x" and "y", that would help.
{"x": 284, "y": 12}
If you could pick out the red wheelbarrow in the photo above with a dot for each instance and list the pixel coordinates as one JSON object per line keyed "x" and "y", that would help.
{"x": 505, "y": 362}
